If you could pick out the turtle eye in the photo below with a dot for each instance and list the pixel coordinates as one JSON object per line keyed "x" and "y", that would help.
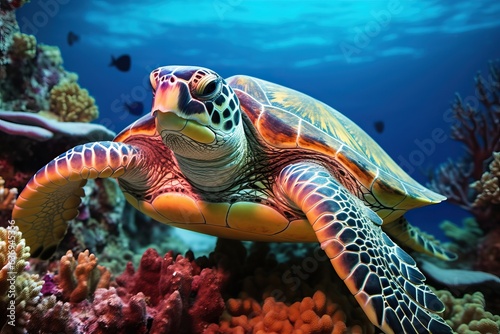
{"x": 207, "y": 87}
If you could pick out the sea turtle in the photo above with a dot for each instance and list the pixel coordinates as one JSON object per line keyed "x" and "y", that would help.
{"x": 247, "y": 159}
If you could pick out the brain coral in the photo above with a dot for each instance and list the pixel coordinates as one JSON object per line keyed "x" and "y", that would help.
{"x": 71, "y": 103}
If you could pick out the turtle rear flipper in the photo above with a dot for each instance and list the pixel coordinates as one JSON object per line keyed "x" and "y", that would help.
{"x": 383, "y": 278}
{"x": 53, "y": 195}
{"x": 412, "y": 237}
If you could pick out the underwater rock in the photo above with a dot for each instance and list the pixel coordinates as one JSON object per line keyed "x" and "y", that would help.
{"x": 39, "y": 128}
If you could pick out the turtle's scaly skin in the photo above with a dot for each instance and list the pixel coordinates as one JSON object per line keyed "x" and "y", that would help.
{"x": 247, "y": 159}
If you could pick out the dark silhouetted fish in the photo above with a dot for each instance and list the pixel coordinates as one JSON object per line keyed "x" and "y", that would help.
{"x": 135, "y": 108}
{"x": 72, "y": 38}
{"x": 379, "y": 126}
{"x": 122, "y": 63}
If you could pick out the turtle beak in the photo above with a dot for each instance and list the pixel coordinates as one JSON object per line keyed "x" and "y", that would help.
{"x": 172, "y": 95}
{"x": 174, "y": 114}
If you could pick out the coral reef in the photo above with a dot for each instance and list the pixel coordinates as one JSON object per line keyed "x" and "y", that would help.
{"x": 70, "y": 103}
{"x": 473, "y": 181}
{"x": 78, "y": 279}
{"x": 478, "y": 128}
{"x": 231, "y": 291}
{"x": 310, "y": 315}
{"x": 467, "y": 314}
{"x": 23, "y": 46}
{"x": 13, "y": 256}
{"x": 488, "y": 187}
{"x": 32, "y": 81}
{"x": 7, "y": 196}
{"x": 51, "y": 316}
{"x": 28, "y": 71}
{"x": 19, "y": 291}
{"x": 182, "y": 297}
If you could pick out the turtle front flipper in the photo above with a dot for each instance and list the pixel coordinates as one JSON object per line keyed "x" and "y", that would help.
{"x": 382, "y": 277}
{"x": 412, "y": 237}
{"x": 53, "y": 194}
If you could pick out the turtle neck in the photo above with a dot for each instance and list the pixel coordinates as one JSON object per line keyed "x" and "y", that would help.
{"x": 217, "y": 167}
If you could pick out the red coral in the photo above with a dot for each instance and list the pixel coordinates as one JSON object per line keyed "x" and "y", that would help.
{"x": 181, "y": 298}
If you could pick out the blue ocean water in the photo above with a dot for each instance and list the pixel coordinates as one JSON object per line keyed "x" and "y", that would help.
{"x": 397, "y": 61}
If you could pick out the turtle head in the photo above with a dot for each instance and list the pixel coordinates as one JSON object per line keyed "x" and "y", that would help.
{"x": 194, "y": 106}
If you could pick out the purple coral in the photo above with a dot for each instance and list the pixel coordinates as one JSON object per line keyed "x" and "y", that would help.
{"x": 478, "y": 128}
{"x": 473, "y": 182}
{"x": 49, "y": 286}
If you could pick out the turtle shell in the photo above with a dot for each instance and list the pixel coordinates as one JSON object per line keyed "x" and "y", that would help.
{"x": 288, "y": 119}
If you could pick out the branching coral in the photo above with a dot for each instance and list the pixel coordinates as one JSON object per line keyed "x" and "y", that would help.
{"x": 13, "y": 256}
{"x": 71, "y": 103}
{"x": 78, "y": 279}
{"x": 477, "y": 126}
{"x": 51, "y": 316}
{"x": 19, "y": 291}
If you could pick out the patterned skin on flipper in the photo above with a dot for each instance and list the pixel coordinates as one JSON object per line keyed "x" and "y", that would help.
{"x": 382, "y": 277}
{"x": 57, "y": 189}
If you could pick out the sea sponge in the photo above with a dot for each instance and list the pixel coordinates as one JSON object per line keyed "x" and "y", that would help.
{"x": 78, "y": 279}
{"x": 23, "y": 47}
{"x": 467, "y": 315}
{"x": 71, "y": 103}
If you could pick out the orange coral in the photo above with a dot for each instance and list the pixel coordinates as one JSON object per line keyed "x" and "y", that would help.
{"x": 311, "y": 315}
{"x": 78, "y": 279}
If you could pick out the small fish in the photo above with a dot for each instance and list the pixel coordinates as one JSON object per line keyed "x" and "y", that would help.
{"x": 135, "y": 108}
{"x": 379, "y": 126}
{"x": 72, "y": 38}
{"x": 122, "y": 63}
